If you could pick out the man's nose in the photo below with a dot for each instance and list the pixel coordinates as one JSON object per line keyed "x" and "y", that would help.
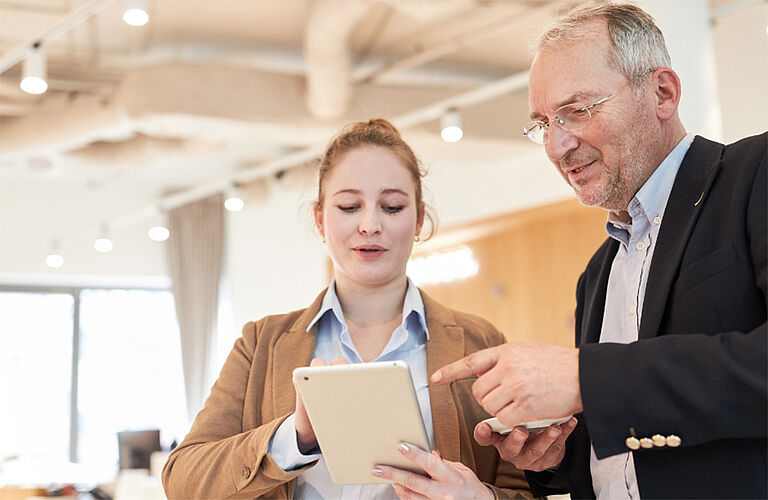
{"x": 559, "y": 142}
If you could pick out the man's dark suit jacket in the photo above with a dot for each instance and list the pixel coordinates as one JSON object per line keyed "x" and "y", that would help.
{"x": 699, "y": 368}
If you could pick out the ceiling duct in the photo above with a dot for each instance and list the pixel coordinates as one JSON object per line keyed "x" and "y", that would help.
{"x": 326, "y": 48}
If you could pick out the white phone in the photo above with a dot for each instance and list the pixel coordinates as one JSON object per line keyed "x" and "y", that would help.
{"x": 532, "y": 426}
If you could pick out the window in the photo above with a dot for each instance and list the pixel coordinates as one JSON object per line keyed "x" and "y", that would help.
{"x": 121, "y": 369}
{"x": 36, "y": 372}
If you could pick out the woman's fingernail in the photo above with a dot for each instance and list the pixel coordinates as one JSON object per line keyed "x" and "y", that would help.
{"x": 403, "y": 448}
{"x": 376, "y": 471}
{"x": 436, "y": 377}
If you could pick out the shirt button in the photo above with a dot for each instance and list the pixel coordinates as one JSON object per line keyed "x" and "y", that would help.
{"x": 646, "y": 443}
{"x": 246, "y": 472}
{"x": 657, "y": 220}
{"x": 659, "y": 440}
{"x": 640, "y": 245}
{"x": 632, "y": 309}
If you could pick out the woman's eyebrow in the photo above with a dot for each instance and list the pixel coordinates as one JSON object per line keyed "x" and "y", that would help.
{"x": 348, "y": 191}
{"x": 393, "y": 191}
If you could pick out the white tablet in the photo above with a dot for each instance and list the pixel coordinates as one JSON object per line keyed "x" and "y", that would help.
{"x": 360, "y": 413}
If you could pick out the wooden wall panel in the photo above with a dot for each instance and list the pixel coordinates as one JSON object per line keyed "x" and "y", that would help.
{"x": 529, "y": 264}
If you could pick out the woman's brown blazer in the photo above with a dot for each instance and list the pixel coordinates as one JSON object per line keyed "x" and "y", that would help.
{"x": 225, "y": 454}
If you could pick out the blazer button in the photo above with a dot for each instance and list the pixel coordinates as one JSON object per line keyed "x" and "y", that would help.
{"x": 632, "y": 443}
{"x": 673, "y": 441}
{"x": 246, "y": 472}
{"x": 659, "y": 440}
{"x": 646, "y": 443}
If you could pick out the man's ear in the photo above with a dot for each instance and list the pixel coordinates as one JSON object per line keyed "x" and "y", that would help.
{"x": 666, "y": 87}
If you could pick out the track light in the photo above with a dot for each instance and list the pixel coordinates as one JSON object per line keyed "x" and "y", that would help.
{"x": 158, "y": 233}
{"x": 234, "y": 202}
{"x": 33, "y": 72}
{"x": 450, "y": 126}
{"x": 103, "y": 243}
{"x": 136, "y": 12}
{"x": 54, "y": 259}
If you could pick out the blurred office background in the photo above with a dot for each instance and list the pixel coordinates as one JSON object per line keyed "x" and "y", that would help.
{"x": 145, "y": 131}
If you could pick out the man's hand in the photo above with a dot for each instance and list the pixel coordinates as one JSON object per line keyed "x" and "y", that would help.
{"x": 519, "y": 382}
{"x": 530, "y": 451}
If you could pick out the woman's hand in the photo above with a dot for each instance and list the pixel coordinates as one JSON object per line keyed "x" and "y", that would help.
{"x": 446, "y": 479}
{"x": 305, "y": 435}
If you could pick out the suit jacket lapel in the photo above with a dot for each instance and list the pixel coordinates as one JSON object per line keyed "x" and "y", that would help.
{"x": 293, "y": 349}
{"x": 689, "y": 194}
{"x": 445, "y": 345}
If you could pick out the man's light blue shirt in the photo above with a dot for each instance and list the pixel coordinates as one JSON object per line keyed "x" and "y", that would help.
{"x": 407, "y": 343}
{"x": 614, "y": 477}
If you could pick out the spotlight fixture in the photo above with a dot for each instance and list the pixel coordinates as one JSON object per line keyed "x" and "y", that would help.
{"x": 103, "y": 243}
{"x": 158, "y": 233}
{"x": 450, "y": 126}
{"x": 136, "y": 12}
{"x": 54, "y": 259}
{"x": 33, "y": 71}
{"x": 234, "y": 202}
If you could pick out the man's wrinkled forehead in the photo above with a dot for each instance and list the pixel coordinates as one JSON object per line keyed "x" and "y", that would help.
{"x": 566, "y": 71}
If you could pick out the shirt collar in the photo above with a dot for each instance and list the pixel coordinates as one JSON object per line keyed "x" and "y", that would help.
{"x": 413, "y": 306}
{"x": 651, "y": 199}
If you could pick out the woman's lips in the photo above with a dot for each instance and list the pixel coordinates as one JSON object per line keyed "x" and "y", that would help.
{"x": 369, "y": 252}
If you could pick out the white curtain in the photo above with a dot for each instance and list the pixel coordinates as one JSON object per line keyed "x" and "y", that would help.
{"x": 195, "y": 250}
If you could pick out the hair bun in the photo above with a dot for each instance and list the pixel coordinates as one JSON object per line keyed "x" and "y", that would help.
{"x": 383, "y": 124}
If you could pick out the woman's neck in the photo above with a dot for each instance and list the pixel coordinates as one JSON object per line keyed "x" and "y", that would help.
{"x": 371, "y": 305}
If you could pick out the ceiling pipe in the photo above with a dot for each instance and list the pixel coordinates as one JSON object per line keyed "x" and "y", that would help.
{"x": 371, "y": 73}
{"x": 17, "y": 54}
{"x": 326, "y": 48}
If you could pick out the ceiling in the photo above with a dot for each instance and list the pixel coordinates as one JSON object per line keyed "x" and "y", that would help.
{"x": 210, "y": 94}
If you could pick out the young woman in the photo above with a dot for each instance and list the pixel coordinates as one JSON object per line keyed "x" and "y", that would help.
{"x": 253, "y": 437}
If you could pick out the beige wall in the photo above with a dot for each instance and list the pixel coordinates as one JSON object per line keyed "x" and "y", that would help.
{"x": 529, "y": 264}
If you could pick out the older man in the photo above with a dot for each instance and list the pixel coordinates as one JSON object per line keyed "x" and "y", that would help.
{"x": 668, "y": 382}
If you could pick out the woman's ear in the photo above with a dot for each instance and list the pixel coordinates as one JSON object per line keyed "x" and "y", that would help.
{"x": 667, "y": 92}
{"x": 318, "y": 214}
{"x": 420, "y": 218}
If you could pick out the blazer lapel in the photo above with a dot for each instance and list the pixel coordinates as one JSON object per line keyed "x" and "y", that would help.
{"x": 445, "y": 345}
{"x": 689, "y": 194}
{"x": 293, "y": 349}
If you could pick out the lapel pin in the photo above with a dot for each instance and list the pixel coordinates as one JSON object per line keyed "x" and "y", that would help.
{"x": 699, "y": 200}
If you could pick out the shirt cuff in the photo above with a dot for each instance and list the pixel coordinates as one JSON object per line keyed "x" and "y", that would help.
{"x": 284, "y": 447}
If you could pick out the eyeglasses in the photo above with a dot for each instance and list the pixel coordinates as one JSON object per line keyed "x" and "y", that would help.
{"x": 570, "y": 117}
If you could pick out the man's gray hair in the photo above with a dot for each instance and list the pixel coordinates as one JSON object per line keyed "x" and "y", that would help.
{"x": 637, "y": 44}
